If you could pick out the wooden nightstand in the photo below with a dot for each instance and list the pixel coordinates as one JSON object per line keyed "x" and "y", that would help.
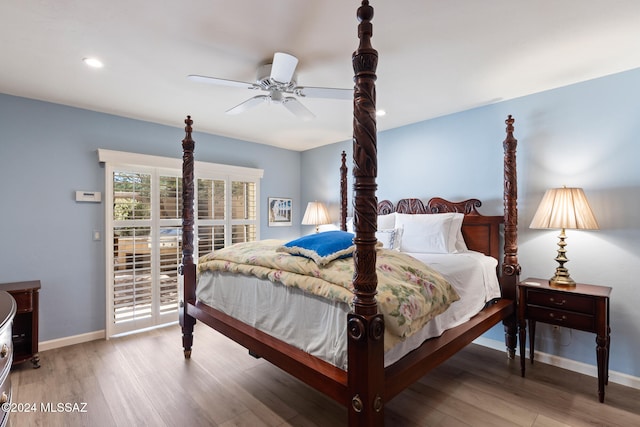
{"x": 25, "y": 323}
{"x": 585, "y": 307}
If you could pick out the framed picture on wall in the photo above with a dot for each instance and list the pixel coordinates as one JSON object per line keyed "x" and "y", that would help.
{"x": 279, "y": 211}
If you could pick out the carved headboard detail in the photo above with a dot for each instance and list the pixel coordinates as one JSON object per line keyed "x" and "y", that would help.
{"x": 435, "y": 205}
{"x": 467, "y": 207}
{"x": 385, "y": 207}
{"x": 481, "y": 233}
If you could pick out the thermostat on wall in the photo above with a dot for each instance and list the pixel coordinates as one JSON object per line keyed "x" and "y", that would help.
{"x": 88, "y": 196}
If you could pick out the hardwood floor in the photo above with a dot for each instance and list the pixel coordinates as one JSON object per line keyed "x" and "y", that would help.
{"x": 143, "y": 380}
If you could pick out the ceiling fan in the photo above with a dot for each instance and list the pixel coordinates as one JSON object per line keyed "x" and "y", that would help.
{"x": 278, "y": 79}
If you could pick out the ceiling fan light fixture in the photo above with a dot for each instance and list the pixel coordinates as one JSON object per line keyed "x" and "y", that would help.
{"x": 283, "y": 67}
{"x": 276, "y": 97}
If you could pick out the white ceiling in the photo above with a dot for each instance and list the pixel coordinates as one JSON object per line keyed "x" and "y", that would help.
{"x": 436, "y": 57}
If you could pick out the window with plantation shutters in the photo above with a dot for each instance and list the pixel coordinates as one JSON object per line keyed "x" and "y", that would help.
{"x": 143, "y": 199}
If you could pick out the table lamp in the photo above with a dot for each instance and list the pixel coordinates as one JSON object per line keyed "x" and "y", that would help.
{"x": 564, "y": 208}
{"x": 316, "y": 214}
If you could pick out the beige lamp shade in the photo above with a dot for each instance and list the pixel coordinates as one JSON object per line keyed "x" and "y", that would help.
{"x": 316, "y": 214}
{"x": 564, "y": 208}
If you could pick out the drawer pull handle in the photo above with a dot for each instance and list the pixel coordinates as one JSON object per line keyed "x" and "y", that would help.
{"x": 561, "y": 319}
{"x": 4, "y": 398}
{"x": 4, "y": 351}
{"x": 561, "y": 302}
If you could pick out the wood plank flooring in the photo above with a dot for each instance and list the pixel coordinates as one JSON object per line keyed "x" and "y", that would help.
{"x": 143, "y": 380}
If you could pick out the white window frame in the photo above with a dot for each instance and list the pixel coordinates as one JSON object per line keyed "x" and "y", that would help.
{"x": 165, "y": 166}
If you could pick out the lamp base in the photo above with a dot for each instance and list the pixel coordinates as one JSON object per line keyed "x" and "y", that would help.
{"x": 562, "y": 280}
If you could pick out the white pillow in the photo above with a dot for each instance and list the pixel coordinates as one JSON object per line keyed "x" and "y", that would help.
{"x": 461, "y": 245}
{"x": 387, "y": 222}
{"x": 386, "y": 237}
{"x": 328, "y": 227}
{"x": 397, "y": 238}
{"x": 350, "y": 228}
{"x": 429, "y": 233}
{"x": 390, "y": 238}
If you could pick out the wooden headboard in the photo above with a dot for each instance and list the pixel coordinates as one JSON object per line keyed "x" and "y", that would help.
{"x": 481, "y": 233}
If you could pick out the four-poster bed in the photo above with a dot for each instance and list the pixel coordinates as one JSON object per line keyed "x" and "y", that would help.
{"x": 367, "y": 382}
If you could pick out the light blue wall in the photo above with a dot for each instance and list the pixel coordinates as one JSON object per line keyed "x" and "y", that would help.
{"x": 47, "y": 152}
{"x": 584, "y": 135}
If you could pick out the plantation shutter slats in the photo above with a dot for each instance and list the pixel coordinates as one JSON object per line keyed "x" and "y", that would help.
{"x": 170, "y": 258}
{"x": 132, "y": 273}
{"x": 243, "y": 211}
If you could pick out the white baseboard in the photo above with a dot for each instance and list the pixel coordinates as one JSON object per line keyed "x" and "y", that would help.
{"x": 90, "y": 336}
{"x": 75, "y": 339}
{"x": 571, "y": 365}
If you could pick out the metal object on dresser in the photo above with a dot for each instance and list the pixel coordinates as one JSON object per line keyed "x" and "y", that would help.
{"x": 7, "y": 313}
{"x": 25, "y": 324}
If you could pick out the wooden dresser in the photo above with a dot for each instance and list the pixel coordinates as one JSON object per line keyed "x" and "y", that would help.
{"x": 25, "y": 324}
{"x": 7, "y": 313}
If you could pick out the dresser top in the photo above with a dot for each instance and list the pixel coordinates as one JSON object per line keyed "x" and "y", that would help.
{"x": 20, "y": 286}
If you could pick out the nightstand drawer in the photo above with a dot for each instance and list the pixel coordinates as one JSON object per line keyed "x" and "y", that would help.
{"x": 24, "y": 301}
{"x": 558, "y": 300}
{"x": 568, "y": 319}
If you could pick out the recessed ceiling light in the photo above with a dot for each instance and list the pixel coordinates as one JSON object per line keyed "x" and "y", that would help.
{"x": 380, "y": 113}
{"x": 93, "y": 62}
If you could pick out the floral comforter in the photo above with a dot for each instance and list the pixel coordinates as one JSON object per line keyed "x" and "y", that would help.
{"x": 409, "y": 292}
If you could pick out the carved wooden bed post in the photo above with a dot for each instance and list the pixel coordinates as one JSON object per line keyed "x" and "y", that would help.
{"x": 365, "y": 325}
{"x": 510, "y": 266}
{"x": 188, "y": 268}
{"x": 343, "y": 192}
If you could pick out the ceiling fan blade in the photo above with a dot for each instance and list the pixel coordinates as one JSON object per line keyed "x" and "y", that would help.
{"x": 248, "y": 104}
{"x": 221, "y": 82}
{"x": 323, "y": 92}
{"x": 296, "y": 107}
{"x": 283, "y": 67}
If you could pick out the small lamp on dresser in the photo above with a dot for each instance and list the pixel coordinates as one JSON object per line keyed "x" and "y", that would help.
{"x": 564, "y": 208}
{"x": 316, "y": 214}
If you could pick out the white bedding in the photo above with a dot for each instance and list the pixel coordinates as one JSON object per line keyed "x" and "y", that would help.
{"x": 318, "y": 326}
